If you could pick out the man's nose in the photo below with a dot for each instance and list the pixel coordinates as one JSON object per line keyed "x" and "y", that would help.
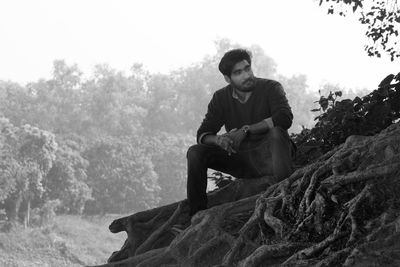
{"x": 246, "y": 75}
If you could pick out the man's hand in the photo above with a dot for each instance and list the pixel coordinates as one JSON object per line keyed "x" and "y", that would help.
{"x": 237, "y": 136}
{"x": 225, "y": 142}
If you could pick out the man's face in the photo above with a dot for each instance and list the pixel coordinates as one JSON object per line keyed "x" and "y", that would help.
{"x": 242, "y": 77}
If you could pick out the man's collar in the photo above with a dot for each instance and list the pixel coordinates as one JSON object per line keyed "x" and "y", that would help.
{"x": 236, "y": 96}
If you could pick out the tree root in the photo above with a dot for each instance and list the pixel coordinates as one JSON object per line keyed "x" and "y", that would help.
{"x": 315, "y": 249}
{"x": 334, "y": 183}
{"x": 335, "y": 259}
{"x": 276, "y": 224}
{"x": 272, "y": 253}
{"x": 324, "y": 214}
{"x": 147, "y": 244}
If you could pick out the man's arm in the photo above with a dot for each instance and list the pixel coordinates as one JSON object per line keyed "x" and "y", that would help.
{"x": 261, "y": 127}
{"x": 282, "y": 115}
{"x": 212, "y": 122}
{"x": 238, "y": 135}
{"x": 223, "y": 141}
{"x": 281, "y": 112}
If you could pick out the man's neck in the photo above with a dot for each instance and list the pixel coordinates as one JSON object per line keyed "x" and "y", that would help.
{"x": 241, "y": 95}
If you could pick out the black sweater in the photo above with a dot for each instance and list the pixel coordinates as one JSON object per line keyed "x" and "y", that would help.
{"x": 267, "y": 100}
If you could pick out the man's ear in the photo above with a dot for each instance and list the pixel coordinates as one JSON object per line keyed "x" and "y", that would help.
{"x": 227, "y": 79}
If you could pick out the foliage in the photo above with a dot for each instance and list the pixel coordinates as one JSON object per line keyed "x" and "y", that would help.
{"x": 120, "y": 139}
{"x": 382, "y": 18}
{"x": 27, "y": 156}
{"x": 168, "y": 154}
{"x": 220, "y": 179}
{"x": 45, "y": 214}
{"x": 121, "y": 176}
{"x": 67, "y": 179}
{"x": 338, "y": 120}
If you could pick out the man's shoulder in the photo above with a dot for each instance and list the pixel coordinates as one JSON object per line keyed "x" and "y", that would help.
{"x": 226, "y": 90}
{"x": 267, "y": 83}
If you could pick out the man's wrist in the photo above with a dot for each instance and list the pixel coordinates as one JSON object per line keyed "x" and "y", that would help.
{"x": 246, "y": 129}
{"x": 209, "y": 139}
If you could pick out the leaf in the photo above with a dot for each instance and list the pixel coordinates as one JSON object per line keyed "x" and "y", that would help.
{"x": 324, "y": 103}
{"x": 397, "y": 77}
{"x": 338, "y": 93}
{"x": 386, "y": 81}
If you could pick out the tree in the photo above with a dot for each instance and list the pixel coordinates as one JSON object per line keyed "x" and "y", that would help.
{"x": 28, "y": 156}
{"x": 15, "y": 103}
{"x": 168, "y": 154}
{"x": 300, "y": 101}
{"x": 121, "y": 176}
{"x": 115, "y": 105}
{"x": 382, "y": 18}
{"x": 8, "y": 164}
{"x": 67, "y": 180}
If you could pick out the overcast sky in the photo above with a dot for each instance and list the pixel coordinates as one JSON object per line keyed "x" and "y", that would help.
{"x": 169, "y": 34}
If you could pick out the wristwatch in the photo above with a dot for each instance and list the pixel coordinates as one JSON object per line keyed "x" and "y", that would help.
{"x": 246, "y": 129}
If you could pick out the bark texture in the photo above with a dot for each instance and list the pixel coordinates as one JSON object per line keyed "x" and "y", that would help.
{"x": 342, "y": 210}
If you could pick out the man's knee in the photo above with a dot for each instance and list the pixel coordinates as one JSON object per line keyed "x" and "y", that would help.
{"x": 194, "y": 152}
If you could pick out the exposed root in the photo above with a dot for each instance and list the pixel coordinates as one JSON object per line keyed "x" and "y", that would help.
{"x": 334, "y": 183}
{"x": 353, "y": 206}
{"x": 325, "y": 214}
{"x": 276, "y": 224}
{"x": 335, "y": 259}
{"x": 315, "y": 249}
{"x": 309, "y": 193}
{"x": 135, "y": 260}
{"x": 148, "y": 243}
{"x": 272, "y": 253}
{"x": 245, "y": 232}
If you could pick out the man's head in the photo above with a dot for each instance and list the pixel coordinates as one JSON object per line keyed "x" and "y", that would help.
{"x": 235, "y": 65}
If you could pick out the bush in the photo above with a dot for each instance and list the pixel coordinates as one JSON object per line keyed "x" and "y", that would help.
{"x": 45, "y": 214}
{"x": 340, "y": 119}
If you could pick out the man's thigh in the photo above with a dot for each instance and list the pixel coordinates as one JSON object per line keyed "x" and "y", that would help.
{"x": 218, "y": 159}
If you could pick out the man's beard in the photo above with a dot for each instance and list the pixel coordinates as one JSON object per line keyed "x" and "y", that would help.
{"x": 246, "y": 86}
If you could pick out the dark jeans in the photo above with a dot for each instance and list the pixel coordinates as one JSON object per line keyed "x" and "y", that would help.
{"x": 269, "y": 154}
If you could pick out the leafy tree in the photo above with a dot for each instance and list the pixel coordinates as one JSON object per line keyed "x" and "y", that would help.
{"x": 300, "y": 100}
{"x": 168, "y": 154}
{"x": 121, "y": 176}
{"x": 28, "y": 156}
{"x": 8, "y": 164}
{"x": 115, "y": 103}
{"x": 67, "y": 180}
{"x": 15, "y": 103}
{"x": 382, "y": 18}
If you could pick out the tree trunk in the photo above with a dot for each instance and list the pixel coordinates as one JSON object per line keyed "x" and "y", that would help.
{"x": 28, "y": 214}
{"x": 341, "y": 210}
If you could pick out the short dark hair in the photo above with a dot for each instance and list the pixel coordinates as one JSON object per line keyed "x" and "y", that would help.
{"x": 232, "y": 57}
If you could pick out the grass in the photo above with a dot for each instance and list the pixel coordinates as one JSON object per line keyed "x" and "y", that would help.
{"x": 68, "y": 241}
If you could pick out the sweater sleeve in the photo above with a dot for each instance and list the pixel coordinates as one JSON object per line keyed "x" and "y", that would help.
{"x": 281, "y": 112}
{"x": 213, "y": 119}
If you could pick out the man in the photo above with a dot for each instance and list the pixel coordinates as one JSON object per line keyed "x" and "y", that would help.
{"x": 256, "y": 116}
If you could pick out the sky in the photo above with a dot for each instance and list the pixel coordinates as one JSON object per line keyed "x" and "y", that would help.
{"x": 167, "y": 35}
